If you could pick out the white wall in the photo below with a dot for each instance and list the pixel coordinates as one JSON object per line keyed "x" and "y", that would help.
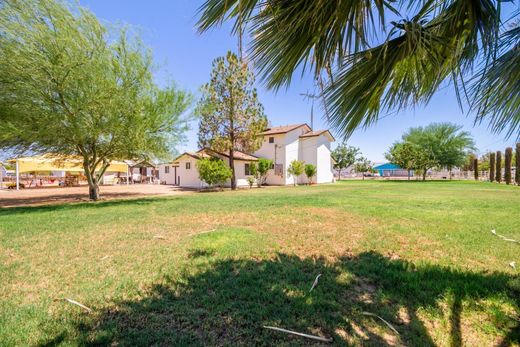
{"x": 324, "y": 160}
{"x": 309, "y": 154}
{"x": 168, "y": 178}
{"x": 275, "y": 152}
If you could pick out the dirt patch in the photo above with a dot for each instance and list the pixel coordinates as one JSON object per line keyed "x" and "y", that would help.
{"x": 47, "y": 196}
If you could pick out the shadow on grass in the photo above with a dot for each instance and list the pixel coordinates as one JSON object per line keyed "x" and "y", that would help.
{"x": 228, "y": 301}
{"x": 130, "y": 201}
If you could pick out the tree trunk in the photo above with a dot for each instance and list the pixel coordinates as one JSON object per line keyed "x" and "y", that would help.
{"x": 408, "y": 174}
{"x": 424, "y": 175}
{"x": 93, "y": 192}
{"x": 232, "y": 165}
{"x": 339, "y": 175}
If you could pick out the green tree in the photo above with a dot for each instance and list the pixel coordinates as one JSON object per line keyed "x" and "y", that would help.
{"x": 405, "y": 155}
{"x": 441, "y": 144}
{"x": 508, "y": 165}
{"x": 492, "y": 166}
{"x": 344, "y": 156}
{"x": 498, "y": 170}
{"x": 517, "y": 164}
{"x": 231, "y": 117}
{"x": 260, "y": 170}
{"x": 363, "y": 75}
{"x": 363, "y": 165}
{"x": 475, "y": 168}
{"x": 69, "y": 89}
{"x": 295, "y": 169}
{"x": 484, "y": 162}
{"x": 310, "y": 172}
{"x": 213, "y": 171}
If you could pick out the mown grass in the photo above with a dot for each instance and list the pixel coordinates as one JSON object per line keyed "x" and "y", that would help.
{"x": 213, "y": 268}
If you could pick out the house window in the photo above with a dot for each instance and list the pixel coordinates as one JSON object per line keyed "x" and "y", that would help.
{"x": 271, "y": 139}
{"x": 166, "y": 169}
{"x": 247, "y": 169}
{"x": 188, "y": 165}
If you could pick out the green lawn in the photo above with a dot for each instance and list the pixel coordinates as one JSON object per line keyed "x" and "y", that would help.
{"x": 213, "y": 268}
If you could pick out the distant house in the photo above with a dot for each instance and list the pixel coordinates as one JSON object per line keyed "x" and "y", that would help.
{"x": 281, "y": 144}
{"x": 391, "y": 170}
{"x": 183, "y": 170}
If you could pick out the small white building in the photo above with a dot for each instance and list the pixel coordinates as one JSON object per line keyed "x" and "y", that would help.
{"x": 183, "y": 170}
{"x": 284, "y": 144}
{"x": 281, "y": 144}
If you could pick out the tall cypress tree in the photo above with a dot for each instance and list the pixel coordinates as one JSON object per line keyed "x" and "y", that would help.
{"x": 509, "y": 160}
{"x": 475, "y": 168}
{"x": 498, "y": 172}
{"x": 492, "y": 166}
{"x": 517, "y": 172}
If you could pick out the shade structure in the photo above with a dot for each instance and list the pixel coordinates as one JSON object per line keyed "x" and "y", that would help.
{"x": 52, "y": 162}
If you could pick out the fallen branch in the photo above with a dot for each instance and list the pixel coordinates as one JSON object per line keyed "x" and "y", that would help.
{"x": 513, "y": 264}
{"x": 503, "y": 237}
{"x": 314, "y": 337}
{"x": 315, "y": 283}
{"x": 384, "y": 321}
{"x": 105, "y": 257}
{"x": 159, "y": 237}
{"x": 205, "y": 232}
{"x": 79, "y": 304}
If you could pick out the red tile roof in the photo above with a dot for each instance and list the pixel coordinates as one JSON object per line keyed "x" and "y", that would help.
{"x": 238, "y": 155}
{"x": 283, "y": 129}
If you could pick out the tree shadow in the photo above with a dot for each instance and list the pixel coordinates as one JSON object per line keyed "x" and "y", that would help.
{"x": 227, "y": 302}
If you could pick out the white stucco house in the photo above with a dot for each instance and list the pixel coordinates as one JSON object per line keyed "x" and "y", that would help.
{"x": 281, "y": 144}
{"x": 183, "y": 170}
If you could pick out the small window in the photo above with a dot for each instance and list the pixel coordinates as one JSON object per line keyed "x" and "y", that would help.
{"x": 166, "y": 169}
{"x": 188, "y": 165}
{"x": 271, "y": 139}
{"x": 247, "y": 169}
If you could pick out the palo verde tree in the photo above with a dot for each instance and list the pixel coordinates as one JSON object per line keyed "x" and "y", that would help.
{"x": 374, "y": 56}
{"x": 231, "y": 117}
{"x": 517, "y": 164}
{"x": 70, "y": 86}
{"x": 344, "y": 156}
{"x": 498, "y": 169}
{"x": 492, "y": 166}
{"x": 440, "y": 144}
{"x": 508, "y": 165}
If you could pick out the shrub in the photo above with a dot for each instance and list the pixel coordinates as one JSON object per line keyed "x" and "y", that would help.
{"x": 310, "y": 172}
{"x": 250, "y": 181}
{"x": 498, "y": 171}
{"x": 508, "y": 163}
{"x": 492, "y": 165}
{"x": 213, "y": 171}
{"x": 260, "y": 170}
{"x": 296, "y": 169}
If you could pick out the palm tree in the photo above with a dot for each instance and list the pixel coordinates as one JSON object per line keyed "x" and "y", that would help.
{"x": 367, "y": 65}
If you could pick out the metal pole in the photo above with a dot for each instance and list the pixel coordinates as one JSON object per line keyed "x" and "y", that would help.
{"x": 17, "y": 175}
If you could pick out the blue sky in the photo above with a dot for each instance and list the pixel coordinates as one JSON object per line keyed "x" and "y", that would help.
{"x": 185, "y": 56}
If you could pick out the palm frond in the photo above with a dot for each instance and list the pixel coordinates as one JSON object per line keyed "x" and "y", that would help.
{"x": 497, "y": 92}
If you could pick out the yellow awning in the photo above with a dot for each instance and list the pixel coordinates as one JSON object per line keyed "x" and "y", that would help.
{"x": 48, "y": 162}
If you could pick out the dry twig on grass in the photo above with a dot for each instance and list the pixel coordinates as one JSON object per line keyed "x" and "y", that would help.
{"x": 314, "y": 337}
{"x": 79, "y": 304}
{"x": 503, "y": 237}
{"x": 159, "y": 237}
{"x": 384, "y": 321}
{"x": 315, "y": 283}
{"x": 513, "y": 264}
